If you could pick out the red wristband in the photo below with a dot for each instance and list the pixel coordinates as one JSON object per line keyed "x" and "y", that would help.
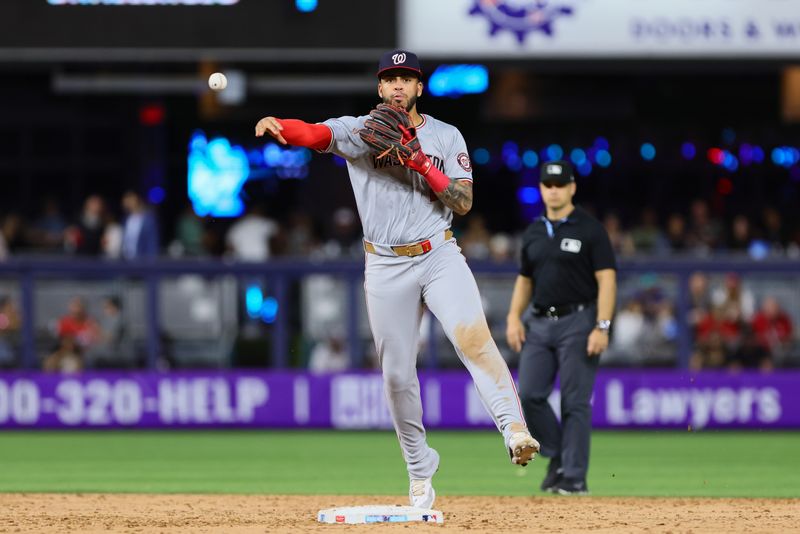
{"x": 436, "y": 179}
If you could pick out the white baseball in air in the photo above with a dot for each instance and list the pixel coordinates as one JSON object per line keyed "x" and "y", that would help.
{"x": 217, "y": 81}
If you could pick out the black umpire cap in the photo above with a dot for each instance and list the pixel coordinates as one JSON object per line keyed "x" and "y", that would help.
{"x": 556, "y": 173}
{"x": 400, "y": 60}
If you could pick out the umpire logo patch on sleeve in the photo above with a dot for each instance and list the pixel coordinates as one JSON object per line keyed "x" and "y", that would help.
{"x": 463, "y": 160}
{"x": 570, "y": 245}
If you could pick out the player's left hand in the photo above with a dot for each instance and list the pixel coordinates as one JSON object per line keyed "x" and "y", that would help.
{"x": 597, "y": 343}
{"x": 390, "y": 133}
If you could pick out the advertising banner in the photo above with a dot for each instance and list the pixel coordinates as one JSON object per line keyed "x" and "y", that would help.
{"x": 601, "y": 28}
{"x": 236, "y": 399}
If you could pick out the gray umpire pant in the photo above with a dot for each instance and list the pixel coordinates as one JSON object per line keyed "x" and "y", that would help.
{"x": 559, "y": 346}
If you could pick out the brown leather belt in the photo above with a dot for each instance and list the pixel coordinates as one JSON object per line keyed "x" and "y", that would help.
{"x": 413, "y": 249}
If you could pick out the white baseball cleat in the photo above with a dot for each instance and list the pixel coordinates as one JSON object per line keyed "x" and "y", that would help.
{"x": 522, "y": 448}
{"x": 421, "y": 493}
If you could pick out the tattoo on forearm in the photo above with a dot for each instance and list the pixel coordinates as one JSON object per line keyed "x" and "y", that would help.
{"x": 457, "y": 196}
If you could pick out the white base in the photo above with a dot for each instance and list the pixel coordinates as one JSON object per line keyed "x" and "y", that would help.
{"x": 382, "y": 513}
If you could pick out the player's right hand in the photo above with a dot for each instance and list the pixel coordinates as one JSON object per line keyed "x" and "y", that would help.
{"x": 271, "y": 126}
{"x": 515, "y": 333}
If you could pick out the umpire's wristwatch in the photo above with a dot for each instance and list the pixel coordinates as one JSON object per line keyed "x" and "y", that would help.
{"x": 604, "y": 325}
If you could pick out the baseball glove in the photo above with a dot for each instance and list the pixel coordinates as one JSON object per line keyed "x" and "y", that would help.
{"x": 389, "y": 133}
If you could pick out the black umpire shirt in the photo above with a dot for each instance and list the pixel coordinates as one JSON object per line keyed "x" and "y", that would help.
{"x": 561, "y": 258}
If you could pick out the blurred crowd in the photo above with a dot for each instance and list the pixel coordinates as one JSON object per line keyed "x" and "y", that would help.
{"x": 132, "y": 230}
{"x": 731, "y": 326}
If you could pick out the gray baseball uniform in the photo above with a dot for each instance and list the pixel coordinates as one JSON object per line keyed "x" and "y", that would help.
{"x": 397, "y": 207}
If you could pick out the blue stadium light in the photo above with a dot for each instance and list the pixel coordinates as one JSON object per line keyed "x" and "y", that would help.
{"x": 480, "y": 156}
{"x": 255, "y": 157}
{"x": 585, "y": 168}
{"x": 306, "y": 6}
{"x": 554, "y": 152}
{"x": 603, "y": 158}
{"x": 688, "y": 150}
{"x": 269, "y": 310}
{"x": 510, "y": 147}
{"x": 746, "y": 154}
{"x": 601, "y": 143}
{"x": 758, "y": 154}
{"x": 513, "y": 162}
{"x": 778, "y": 156}
{"x": 456, "y": 80}
{"x": 272, "y": 155}
{"x": 530, "y": 158}
{"x": 216, "y": 173}
{"x": 156, "y": 195}
{"x": 254, "y": 301}
{"x": 578, "y": 156}
{"x": 648, "y": 151}
{"x": 793, "y": 155}
{"x": 529, "y": 195}
{"x": 730, "y": 162}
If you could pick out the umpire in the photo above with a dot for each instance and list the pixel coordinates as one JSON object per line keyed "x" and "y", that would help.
{"x": 568, "y": 275}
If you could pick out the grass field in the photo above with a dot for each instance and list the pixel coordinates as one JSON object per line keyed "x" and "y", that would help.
{"x": 720, "y": 464}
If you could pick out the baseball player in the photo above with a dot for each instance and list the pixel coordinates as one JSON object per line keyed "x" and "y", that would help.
{"x": 406, "y": 206}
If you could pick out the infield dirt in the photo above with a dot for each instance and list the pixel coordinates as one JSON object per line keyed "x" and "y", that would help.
{"x": 90, "y": 513}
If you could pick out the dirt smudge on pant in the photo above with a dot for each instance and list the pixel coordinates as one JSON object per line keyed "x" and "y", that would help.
{"x": 517, "y": 427}
{"x": 476, "y": 342}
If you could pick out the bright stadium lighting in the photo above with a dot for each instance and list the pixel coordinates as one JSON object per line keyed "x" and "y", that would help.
{"x": 456, "y": 80}
{"x": 306, "y": 6}
{"x": 648, "y": 151}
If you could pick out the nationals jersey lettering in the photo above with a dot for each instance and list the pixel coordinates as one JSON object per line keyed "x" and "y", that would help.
{"x": 395, "y": 204}
{"x": 391, "y": 161}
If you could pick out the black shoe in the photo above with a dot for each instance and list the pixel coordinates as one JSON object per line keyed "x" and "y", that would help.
{"x": 571, "y": 486}
{"x": 554, "y": 473}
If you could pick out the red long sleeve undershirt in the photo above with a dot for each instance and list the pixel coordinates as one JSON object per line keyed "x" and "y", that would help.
{"x": 299, "y": 133}
{"x": 319, "y": 137}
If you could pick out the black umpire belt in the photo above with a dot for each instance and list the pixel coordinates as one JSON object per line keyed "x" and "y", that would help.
{"x": 555, "y": 312}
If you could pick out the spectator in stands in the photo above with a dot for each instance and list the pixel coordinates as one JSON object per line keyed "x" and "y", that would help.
{"x": 705, "y": 232}
{"x": 111, "y": 243}
{"x": 676, "y": 233}
{"x": 111, "y": 348}
{"x": 301, "y": 239}
{"x": 699, "y": 300}
{"x": 9, "y": 331}
{"x": 331, "y": 354}
{"x": 188, "y": 234}
{"x": 621, "y": 241}
{"x": 11, "y": 238}
{"x": 77, "y": 324}
{"x": 474, "y": 241}
{"x": 773, "y": 230}
{"x": 647, "y": 236}
{"x": 772, "y": 330}
{"x": 85, "y": 236}
{"x": 625, "y": 338}
{"x": 66, "y": 358}
{"x": 47, "y": 232}
{"x": 249, "y": 238}
{"x": 501, "y": 248}
{"x": 721, "y": 337}
{"x": 345, "y": 239}
{"x": 140, "y": 231}
{"x": 741, "y": 235}
{"x": 733, "y": 290}
{"x": 3, "y": 246}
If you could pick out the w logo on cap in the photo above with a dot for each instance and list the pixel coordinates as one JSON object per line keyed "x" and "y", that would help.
{"x": 399, "y": 59}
